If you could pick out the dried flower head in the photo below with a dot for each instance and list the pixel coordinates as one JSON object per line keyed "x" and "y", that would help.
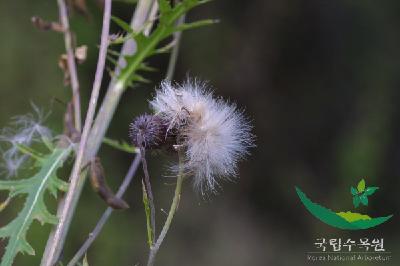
{"x": 147, "y": 131}
{"x": 24, "y": 130}
{"x": 213, "y": 132}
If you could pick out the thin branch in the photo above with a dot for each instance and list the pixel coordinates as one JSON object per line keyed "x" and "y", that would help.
{"x": 175, "y": 51}
{"x": 55, "y": 248}
{"x": 63, "y": 13}
{"x": 99, "y": 226}
{"x": 151, "y": 18}
{"x": 116, "y": 88}
{"x": 174, "y": 207}
{"x": 97, "y": 133}
{"x": 149, "y": 191}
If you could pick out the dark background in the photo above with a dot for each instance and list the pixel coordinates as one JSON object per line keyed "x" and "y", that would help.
{"x": 319, "y": 79}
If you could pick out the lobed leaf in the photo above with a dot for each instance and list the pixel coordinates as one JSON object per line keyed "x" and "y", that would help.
{"x": 34, "y": 208}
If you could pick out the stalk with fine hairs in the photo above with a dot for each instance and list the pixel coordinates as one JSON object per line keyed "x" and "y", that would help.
{"x": 174, "y": 206}
{"x": 53, "y": 251}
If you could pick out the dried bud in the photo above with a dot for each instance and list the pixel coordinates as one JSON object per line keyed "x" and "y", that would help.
{"x": 44, "y": 25}
{"x": 99, "y": 184}
{"x": 148, "y": 131}
{"x": 81, "y": 53}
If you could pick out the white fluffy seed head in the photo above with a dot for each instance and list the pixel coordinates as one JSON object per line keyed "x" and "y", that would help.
{"x": 24, "y": 130}
{"x": 215, "y": 134}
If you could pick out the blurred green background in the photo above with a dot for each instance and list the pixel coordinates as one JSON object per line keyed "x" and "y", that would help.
{"x": 319, "y": 79}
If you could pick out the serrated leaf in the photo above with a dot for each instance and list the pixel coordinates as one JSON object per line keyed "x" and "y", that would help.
{"x": 364, "y": 199}
{"x": 356, "y": 201}
{"x": 120, "y": 145}
{"x": 361, "y": 186}
{"x": 370, "y": 190}
{"x": 353, "y": 191}
{"x": 147, "y": 46}
{"x": 34, "y": 207}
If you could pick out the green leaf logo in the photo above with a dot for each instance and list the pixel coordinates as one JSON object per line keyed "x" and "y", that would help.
{"x": 360, "y": 195}
{"x": 361, "y": 186}
{"x": 344, "y": 220}
{"x": 371, "y": 190}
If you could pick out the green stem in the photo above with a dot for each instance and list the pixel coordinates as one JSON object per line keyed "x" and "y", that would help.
{"x": 174, "y": 206}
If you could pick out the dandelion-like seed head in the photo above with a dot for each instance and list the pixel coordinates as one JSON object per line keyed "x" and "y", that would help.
{"x": 23, "y": 130}
{"x": 215, "y": 134}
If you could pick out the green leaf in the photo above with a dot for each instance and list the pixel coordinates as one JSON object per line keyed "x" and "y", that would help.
{"x": 361, "y": 186}
{"x": 120, "y": 145}
{"x": 147, "y": 212}
{"x": 196, "y": 24}
{"x": 353, "y": 216}
{"x": 125, "y": 26}
{"x": 356, "y": 201}
{"x": 353, "y": 191}
{"x": 364, "y": 199}
{"x": 139, "y": 78}
{"x": 29, "y": 151}
{"x": 34, "y": 207}
{"x": 147, "y": 45}
{"x": 147, "y": 68}
{"x": 112, "y": 60}
{"x": 164, "y": 6}
{"x": 370, "y": 190}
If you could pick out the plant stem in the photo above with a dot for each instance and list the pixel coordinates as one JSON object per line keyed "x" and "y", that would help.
{"x": 148, "y": 190}
{"x": 116, "y": 86}
{"x": 151, "y": 17}
{"x": 55, "y": 248}
{"x": 99, "y": 226}
{"x": 63, "y": 13}
{"x": 174, "y": 206}
{"x": 106, "y": 112}
{"x": 175, "y": 51}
